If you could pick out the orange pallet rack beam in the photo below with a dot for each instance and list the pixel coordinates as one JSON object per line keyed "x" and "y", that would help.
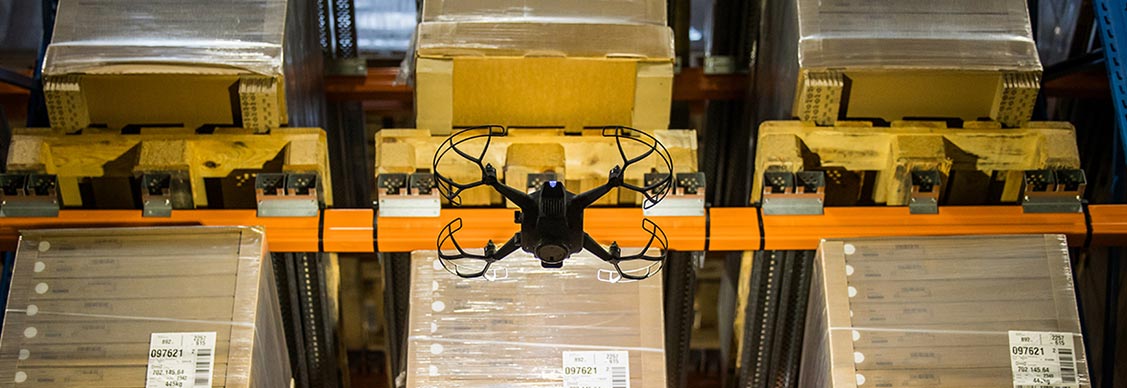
{"x": 725, "y": 229}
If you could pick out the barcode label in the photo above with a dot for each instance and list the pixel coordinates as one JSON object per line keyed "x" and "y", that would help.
{"x": 602, "y": 369}
{"x": 180, "y": 360}
{"x": 1043, "y": 359}
{"x": 203, "y": 368}
{"x": 619, "y": 378}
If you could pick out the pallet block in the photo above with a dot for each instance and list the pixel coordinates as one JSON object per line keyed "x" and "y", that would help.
{"x": 980, "y": 163}
{"x": 581, "y": 162}
{"x": 104, "y": 165}
{"x": 824, "y": 96}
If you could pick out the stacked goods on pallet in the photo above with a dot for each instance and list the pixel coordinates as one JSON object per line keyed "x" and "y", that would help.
{"x": 169, "y": 307}
{"x": 960, "y": 59}
{"x": 943, "y": 312}
{"x": 117, "y": 63}
{"x": 533, "y": 327}
{"x": 202, "y": 100}
{"x": 543, "y": 64}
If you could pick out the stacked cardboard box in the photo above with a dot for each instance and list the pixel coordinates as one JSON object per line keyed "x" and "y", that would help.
{"x": 527, "y": 327}
{"x": 943, "y": 312}
{"x": 93, "y": 308}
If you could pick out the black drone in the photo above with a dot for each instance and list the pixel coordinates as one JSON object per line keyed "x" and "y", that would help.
{"x": 551, "y": 217}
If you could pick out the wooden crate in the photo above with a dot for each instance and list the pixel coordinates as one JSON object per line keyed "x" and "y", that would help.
{"x": 824, "y": 96}
{"x": 583, "y": 161}
{"x": 101, "y": 169}
{"x": 979, "y": 164}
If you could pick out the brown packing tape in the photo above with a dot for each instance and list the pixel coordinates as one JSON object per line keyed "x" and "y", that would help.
{"x": 928, "y": 291}
{"x": 113, "y": 266}
{"x": 117, "y": 289}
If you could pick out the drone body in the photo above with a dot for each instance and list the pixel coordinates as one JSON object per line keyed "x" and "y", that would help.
{"x": 551, "y": 217}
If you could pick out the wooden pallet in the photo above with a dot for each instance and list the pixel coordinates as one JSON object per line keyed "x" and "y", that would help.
{"x": 979, "y": 164}
{"x": 825, "y": 96}
{"x": 583, "y": 161}
{"x": 101, "y": 169}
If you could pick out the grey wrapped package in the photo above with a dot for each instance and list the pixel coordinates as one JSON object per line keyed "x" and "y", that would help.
{"x": 981, "y": 311}
{"x": 240, "y": 34}
{"x": 87, "y": 306}
{"x": 533, "y": 327}
{"x": 939, "y": 34}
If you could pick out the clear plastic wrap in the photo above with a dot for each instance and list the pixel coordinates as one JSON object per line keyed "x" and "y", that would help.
{"x": 939, "y": 34}
{"x": 551, "y": 11}
{"x": 85, "y": 303}
{"x": 588, "y": 28}
{"x": 942, "y": 312}
{"x": 515, "y": 330}
{"x": 240, "y": 34}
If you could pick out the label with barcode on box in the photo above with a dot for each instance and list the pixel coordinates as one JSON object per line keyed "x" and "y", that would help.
{"x": 180, "y": 360}
{"x": 1042, "y": 359}
{"x": 602, "y": 369}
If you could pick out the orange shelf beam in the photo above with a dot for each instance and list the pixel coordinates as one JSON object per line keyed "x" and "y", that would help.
{"x": 730, "y": 229}
{"x": 405, "y": 234}
{"x": 804, "y": 232}
{"x": 283, "y": 234}
{"x": 1109, "y": 225}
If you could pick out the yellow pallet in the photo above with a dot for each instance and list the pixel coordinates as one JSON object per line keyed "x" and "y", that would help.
{"x": 583, "y": 161}
{"x": 236, "y": 154}
{"x": 974, "y": 160}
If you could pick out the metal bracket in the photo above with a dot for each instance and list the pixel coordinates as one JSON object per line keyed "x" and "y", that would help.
{"x": 686, "y": 200}
{"x": 719, "y": 64}
{"x": 29, "y": 195}
{"x": 408, "y": 195}
{"x": 803, "y": 192}
{"x": 1053, "y": 191}
{"x": 162, "y": 191}
{"x": 290, "y": 194}
{"x": 923, "y": 198}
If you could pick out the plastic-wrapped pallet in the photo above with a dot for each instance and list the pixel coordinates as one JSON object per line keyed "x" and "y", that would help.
{"x": 982, "y": 311}
{"x": 168, "y": 307}
{"x": 946, "y": 34}
{"x": 588, "y": 28}
{"x": 536, "y": 327}
{"x": 242, "y": 34}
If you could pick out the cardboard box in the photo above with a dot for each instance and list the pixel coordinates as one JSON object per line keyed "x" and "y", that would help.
{"x": 64, "y": 329}
{"x": 944, "y": 323}
{"x": 516, "y": 330}
{"x": 543, "y": 64}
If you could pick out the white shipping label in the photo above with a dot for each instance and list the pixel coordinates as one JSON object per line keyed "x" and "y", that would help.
{"x": 601, "y": 369}
{"x": 1043, "y": 359}
{"x": 180, "y": 360}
